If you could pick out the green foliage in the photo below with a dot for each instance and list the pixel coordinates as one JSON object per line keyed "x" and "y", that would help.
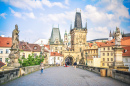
{"x": 31, "y": 60}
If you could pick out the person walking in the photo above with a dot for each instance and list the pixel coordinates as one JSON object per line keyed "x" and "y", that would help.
{"x": 75, "y": 64}
{"x": 41, "y": 67}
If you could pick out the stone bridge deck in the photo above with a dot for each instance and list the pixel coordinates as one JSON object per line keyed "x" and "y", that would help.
{"x": 62, "y": 76}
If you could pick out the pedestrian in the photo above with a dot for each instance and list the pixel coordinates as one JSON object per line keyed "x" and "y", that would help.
{"x": 66, "y": 64}
{"x": 41, "y": 67}
{"x": 75, "y": 64}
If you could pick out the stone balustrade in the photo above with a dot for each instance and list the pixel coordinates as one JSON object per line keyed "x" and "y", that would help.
{"x": 7, "y": 75}
{"x": 116, "y": 74}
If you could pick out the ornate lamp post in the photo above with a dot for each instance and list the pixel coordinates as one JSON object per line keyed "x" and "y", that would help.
{"x": 86, "y": 58}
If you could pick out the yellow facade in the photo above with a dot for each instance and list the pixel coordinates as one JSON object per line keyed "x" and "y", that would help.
{"x": 107, "y": 56}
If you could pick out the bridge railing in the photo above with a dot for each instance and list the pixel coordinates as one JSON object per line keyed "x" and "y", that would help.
{"x": 116, "y": 74}
{"x": 7, "y": 75}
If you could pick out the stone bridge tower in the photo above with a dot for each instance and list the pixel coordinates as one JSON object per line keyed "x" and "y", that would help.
{"x": 78, "y": 34}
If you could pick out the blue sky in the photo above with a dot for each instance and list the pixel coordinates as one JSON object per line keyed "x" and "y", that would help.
{"x": 35, "y": 18}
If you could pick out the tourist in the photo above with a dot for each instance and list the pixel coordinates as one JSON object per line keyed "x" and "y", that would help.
{"x": 41, "y": 67}
{"x": 75, "y": 64}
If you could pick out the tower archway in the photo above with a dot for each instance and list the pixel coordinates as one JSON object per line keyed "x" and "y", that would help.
{"x": 69, "y": 60}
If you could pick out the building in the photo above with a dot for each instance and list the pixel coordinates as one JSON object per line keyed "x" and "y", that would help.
{"x": 27, "y": 48}
{"x": 126, "y": 56}
{"x": 55, "y": 58}
{"x": 41, "y": 42}
{"x": 5, "y": 46}
{"x": 107, "y": 52}
{"x": 67, "y": 41}
{"x": 55, "y": 41}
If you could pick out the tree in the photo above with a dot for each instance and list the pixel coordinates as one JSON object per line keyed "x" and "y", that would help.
{"x": 31, "y": 60}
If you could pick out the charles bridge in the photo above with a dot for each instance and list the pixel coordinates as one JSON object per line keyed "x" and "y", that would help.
{"x": 63, "y": 76}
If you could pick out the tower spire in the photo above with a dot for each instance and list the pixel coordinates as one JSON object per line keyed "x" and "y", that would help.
{"x": 78, "y": 20}
{"x": 86, "y": 24}
{"x": 71, "y": 26}
{"x": 110, "y": 35}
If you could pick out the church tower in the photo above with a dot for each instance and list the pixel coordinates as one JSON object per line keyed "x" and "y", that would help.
{"x": 78, "y": 34}
{"x": 65, "y": 40}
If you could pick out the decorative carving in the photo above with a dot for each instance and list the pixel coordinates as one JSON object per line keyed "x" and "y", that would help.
{"x": 14, "y": 54}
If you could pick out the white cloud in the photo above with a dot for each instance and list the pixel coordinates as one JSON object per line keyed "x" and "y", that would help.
{"x": 97, "y": 32}
{"x": 33, "y": 4}
{"x": 3, "y": 15}
{"x": 22, "y": 15}
{"x": 67, "y": 2}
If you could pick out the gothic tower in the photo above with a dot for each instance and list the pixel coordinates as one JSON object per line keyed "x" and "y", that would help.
{"x": 78, "y": 34}
{"x": 65, "y": 40}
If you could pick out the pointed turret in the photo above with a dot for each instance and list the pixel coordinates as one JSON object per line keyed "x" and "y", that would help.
{"x": 55, "y": 34}
{"x": 70, "y": 26}
{"x": 78, "y": 21}
{"x": 86, "y": 24}
{"x": 110, "y": 35}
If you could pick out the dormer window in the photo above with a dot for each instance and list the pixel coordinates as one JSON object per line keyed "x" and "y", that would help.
{"x": 125, "y": 51}
{"x": 23, "y": 47}
{"x": 35, "y": 47}
{"x": 56, "y": 42}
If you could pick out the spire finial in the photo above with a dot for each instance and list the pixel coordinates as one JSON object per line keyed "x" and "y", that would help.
{"x": 80, "y": 10}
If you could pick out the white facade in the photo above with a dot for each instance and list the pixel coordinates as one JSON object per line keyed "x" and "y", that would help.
{"x": 126, "y": 61}
{"x": 55, "y": 59}
{"x": 41, "y": 42}
{"x": 4, "y": 54}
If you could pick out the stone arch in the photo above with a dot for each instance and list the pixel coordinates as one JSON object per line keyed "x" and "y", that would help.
{"x": 69, "y": 56}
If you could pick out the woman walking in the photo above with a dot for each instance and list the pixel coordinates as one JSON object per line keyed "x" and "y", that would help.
{"x": 75, "y": 64}
{"x": 41, "y": 67}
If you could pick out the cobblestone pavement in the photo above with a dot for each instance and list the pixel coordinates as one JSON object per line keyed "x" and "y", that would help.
{"x": 64, "y": 76}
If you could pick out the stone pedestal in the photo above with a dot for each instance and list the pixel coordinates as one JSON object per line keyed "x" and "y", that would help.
{"x": 118, "y": 60}
{"x": 14, "y": 55}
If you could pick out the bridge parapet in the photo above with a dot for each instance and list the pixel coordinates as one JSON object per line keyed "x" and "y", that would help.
{"x": 116, "y": 74}
{"x": 7, "y": 75}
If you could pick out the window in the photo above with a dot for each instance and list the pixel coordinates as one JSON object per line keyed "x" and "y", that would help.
{"x": 107, "y": 64}
{"x": 6, "y": 59}
{"x": 103, "y": 64}
{"x": 111, "y": 54}
{"x": 7, "y": 51}
{"x": 35, "y": 54}
{"x": 61, "y": 48}
{"x": 1, "y": 59}
{"x": 80, "y": 49}
{"x": 103, "y": 54}
{"x": 35, "y": 47}
{"x": 103, "y": 59}
{"x": 55, "y": 48}
{"x": 108, "y": 48}
{"x": 103, "y": 48}
{"x": 111, "y": 59}
{"x": 107, "y": 59}
{"x": 66, "y": 43}
{"x": 107, "y": 54}
{"x": 23, "y": 47}
{"x": 94, "y": 51}
{"x": 126, "y": 59}
{"x": 23, "y": 56}
{"x": 56, "y": 42}
{"x": 58, "y": 58}
{"x": 1, "y": 51}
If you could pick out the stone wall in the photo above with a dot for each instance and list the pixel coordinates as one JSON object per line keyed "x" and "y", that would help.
{"x": 116, "y": 74}
{"x": 8, "y": 75}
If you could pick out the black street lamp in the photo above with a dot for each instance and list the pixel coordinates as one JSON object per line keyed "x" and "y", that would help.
{"x": 86, "y": 58}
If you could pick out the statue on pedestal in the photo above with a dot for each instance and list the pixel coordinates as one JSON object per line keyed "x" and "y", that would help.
{"x": 14, "y": 54}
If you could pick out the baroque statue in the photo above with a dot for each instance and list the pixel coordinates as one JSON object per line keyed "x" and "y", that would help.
{"x": 14, "y": 54}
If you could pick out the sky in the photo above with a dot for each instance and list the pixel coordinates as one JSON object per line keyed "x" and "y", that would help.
{"x": 35, "y": 18}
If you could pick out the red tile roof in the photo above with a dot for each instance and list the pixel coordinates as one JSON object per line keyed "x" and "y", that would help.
{"x": 99, "y": 44}
{"x": 1, "y": 64}
{"x": 90, "y": 44}
{"x": 127, "y": 49}
{"x": 56, "y": 54}
{"x": 25, "y": 46}
{"x": 48, "y": 46}
{"x": 124, "y": 41}
{"x": 5, "y": 41}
